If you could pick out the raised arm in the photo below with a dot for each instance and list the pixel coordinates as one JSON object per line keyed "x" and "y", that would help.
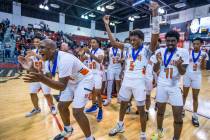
{"x": 111, "y": 38}
{"x": 155, "y": 26}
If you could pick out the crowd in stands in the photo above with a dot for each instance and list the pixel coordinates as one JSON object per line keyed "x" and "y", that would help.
{"x": 22, "y": 37}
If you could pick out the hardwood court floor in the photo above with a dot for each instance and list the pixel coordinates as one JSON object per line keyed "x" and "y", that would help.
{"x": 15, "y": 102}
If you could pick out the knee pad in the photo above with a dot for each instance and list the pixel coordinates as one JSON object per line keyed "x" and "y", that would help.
{"x": 140, "y": 103}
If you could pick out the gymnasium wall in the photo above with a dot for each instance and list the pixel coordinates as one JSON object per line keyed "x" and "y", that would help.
{"x": 183, "y": 16}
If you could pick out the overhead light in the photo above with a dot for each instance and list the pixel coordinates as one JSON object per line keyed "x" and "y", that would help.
{"x": 46, "y": 7}
{"x": 110, "y": 7}
{"x": 136, "y": 16}
{"x": 112, "y": 23}
{"x": 131, "y": 18}
{"x": 82, "y": 16}
{"x": 41, "y": 6}
{"x": 92, "y": 15}
{"x": 102, "y": 9}
{"x": 161, "y": 11}
{"x": 180, "y": 5}
{"x": 98, "y": 8}
{"x": 86, "y": 17}
{"x": 54, "y": 5}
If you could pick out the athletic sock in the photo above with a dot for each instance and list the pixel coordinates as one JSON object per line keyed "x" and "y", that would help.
{"x": 195, "y": 115}
{"x": 120, "y": 123}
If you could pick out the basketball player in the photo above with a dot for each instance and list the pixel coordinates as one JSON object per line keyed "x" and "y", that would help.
{"x": 193, "y": 76}
{"x": 75, "y": 84}
{"x": 134, "y": 77}
{"x": 95, "y": 60}
{"x": 149, "y": 82}
{"x": 113, "y": 72}
{"x": 35, "y": 87}
{"x": 171, "y": 62}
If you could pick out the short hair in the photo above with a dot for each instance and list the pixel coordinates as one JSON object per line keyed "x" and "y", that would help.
{"x": 173, "y": 33}
{"x": 127, "y": 39}
{"x": 137, "y": 32}
{"x": 198, "y": 38}
{"x": 50, "y": 43}
{"x": 99, "y": 43}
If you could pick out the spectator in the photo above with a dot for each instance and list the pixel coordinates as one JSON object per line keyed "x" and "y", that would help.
{"x": 7, "y": 50}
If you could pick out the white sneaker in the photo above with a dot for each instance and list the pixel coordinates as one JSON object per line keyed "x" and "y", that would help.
{"x": 33, "y": 112}
{"x": 64, "y": 134}
{"x": 53, "y": 110}
{"x": 106, "y": 102}
{"x": 118, "y": 129}
{"x": 159, "y": 134}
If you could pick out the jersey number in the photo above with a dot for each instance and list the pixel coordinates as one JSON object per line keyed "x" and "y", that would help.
{"x": 92, "y": 65}
{"x": 131, "y": 66}
{"x": 169, "y": 72}
{"x": 195, "y": 67}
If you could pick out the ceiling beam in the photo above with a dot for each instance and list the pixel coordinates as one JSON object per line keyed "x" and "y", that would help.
{"x": 86, "y": 8}
{"x": 113, "y": 12}
{"x": 167, "y": 5}
{"x": 69, "y": 7}
{"x": 137, "y": 9}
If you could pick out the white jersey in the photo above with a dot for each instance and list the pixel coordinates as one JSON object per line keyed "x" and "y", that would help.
{"x": 94, "y": 65}
{"x": 70, "y": 66}
{"x": 194, "y": 68}
{"x": 136, "y": 69}
{"x": 149, "y": 68}
{"x": 169, "y": 76}
{"x": 114, "y": 57}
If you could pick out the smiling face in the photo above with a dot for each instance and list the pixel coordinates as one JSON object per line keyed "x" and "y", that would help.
{"x": 135, "y": 41}
{"x": 196, "y": 45}
{"x": 36, "y": 42}
{"x": 171, "y": 42}
{"x": 47, "y": 49}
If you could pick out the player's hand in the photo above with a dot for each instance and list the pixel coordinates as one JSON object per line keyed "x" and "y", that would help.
{"x": 26, "y": 63}
{"x": 179, "y": 62}
{"x": 33, "y": 77}
{"x": 154, "y": 6}
{"x": 159, "y": 57}
{"x": 81, "y": 52}
{"x": 86, "y": 50}
{"x": 30, "y": 53}
{"x": 106, "y": 19}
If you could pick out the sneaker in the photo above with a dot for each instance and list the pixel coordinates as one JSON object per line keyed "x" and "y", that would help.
{"x": 106, "y": 102}
{"x": 92, "y": 109}
{"x": 53, "y": 110}
{"x": 128, "y": 110}
{"x": 159, "y": 134}
{"x": 118, "y": 129}
{"x": 100, "y": 115}
{"x": 64, "y": 134}
{"x": 195, "y": 121}
{"x": 33, "y": 112}
{"x": 143, "y": 136}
